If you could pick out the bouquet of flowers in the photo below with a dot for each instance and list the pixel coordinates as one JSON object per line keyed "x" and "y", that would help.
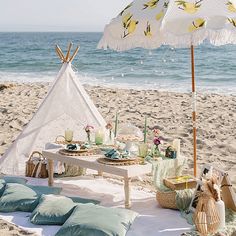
{"x": 156, "y": 141}
{"x": 109, "y": 127}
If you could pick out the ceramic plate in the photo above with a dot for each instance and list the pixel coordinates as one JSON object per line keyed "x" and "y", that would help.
{"x": 76, "y": 151}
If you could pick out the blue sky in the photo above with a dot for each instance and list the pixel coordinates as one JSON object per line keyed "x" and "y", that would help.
{"x": 58, "y": 15}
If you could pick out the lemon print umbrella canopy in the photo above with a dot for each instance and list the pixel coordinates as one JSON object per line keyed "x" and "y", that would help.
{"x": 179, "y": 23}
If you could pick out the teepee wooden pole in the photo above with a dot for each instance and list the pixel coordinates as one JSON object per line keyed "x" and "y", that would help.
{"x": 74, "y": 54}
{"x": 194, "y": 116}
{"x": 68, "y": 52}
{"x": 58, "y": 53}
{"x": 61, "y": 53}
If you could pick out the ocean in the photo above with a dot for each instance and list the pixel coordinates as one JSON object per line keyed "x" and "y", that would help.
{"x": 30, "y": 57}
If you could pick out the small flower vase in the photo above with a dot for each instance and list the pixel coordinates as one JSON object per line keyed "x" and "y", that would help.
{"x": 89, "y": 137}
{"x": 110, "y": 139}
{"x": 155, "y": 151}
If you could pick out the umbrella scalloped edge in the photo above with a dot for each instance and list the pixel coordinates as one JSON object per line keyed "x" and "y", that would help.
{"x": 215, "y": 37}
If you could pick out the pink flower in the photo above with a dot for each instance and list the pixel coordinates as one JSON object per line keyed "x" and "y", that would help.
{"x": 109, "y": 126}
{"x": 157, "y": 141}
{"x": 88, "y": 128}
{"x": 156, "y": 132}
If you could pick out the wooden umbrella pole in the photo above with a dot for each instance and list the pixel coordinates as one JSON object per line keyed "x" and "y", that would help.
{"x": 194, "y": 112}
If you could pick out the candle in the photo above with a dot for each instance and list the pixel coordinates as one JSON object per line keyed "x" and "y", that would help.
{"x": 116, "y": 124}
{"x": 220, "y": 205}
{"x": 99, "y": 137}
{"x": 176, "y": 146}
{"x": 145, "y": 130}
{"x": 68, "y": 135}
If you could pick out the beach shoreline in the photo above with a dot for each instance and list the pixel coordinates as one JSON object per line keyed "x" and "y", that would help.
{"x": 169, "y": 111}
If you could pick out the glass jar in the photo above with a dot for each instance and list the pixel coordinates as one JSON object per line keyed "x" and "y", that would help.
{"x": 99, "y": 136}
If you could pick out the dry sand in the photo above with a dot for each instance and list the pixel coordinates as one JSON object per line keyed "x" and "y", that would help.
{"x": 171, "y": 112}
{"x": 8, "y": 229}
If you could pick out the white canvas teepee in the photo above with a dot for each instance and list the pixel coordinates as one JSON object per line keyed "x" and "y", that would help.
{"x": 67, "y": 105}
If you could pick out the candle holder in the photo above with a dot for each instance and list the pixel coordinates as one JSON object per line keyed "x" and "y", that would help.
{"x": 99, "y": 137}
{"x": 143, "y": 150}
{"x": 68, "y": 135}
{"x": 176, "y": 146}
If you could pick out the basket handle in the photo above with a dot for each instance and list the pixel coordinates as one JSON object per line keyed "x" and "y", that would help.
{"x": 60, "y": 136}
{"x": 36, "y": 152}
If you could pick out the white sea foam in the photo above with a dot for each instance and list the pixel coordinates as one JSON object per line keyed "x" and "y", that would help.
{"x": 113, "y": 82}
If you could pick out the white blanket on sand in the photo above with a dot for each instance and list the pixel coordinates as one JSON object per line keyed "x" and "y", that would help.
{"x": 152, "y": 220}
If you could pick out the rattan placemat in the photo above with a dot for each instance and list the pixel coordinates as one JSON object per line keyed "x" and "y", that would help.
{"x": 120, "y": 163}
{"x": 78, "y": 153}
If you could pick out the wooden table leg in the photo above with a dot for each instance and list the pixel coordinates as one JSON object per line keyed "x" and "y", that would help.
{"x": 127, "y": 192}
{"x": 50, "y": 172}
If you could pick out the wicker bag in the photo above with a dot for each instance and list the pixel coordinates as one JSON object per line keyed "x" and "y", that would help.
{"x": 36, "y": 166}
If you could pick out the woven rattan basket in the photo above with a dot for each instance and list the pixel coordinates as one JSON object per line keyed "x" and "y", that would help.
{"x": 166, "y": 199}
{"x": 33, "y": 167}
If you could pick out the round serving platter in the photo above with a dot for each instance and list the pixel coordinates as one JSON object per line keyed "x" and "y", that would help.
{"x": 67, "y": 152}
{"x": 120, "y": 159}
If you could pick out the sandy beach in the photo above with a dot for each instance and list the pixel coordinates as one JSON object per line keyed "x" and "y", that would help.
{"x": 8, "y": 229}
{"x": 165, "y": 67}
{"x": 170, "y": 112}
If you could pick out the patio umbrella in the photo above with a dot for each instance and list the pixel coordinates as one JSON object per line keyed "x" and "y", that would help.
{"x": 178, "y": 23}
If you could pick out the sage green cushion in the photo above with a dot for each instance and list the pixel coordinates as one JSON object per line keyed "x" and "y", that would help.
{"x": 45, "y": 189}
{"x": 84, "y": 200}
{"x": 94, "y": 220}
{"x": 19, "y": 197}
{"x": 52, "y": 210}
{"x": 55, "y": 210}
{"x": 7, "y": 179}
{"x": 13, "y": 179}
{"x": 2, "y": 186}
